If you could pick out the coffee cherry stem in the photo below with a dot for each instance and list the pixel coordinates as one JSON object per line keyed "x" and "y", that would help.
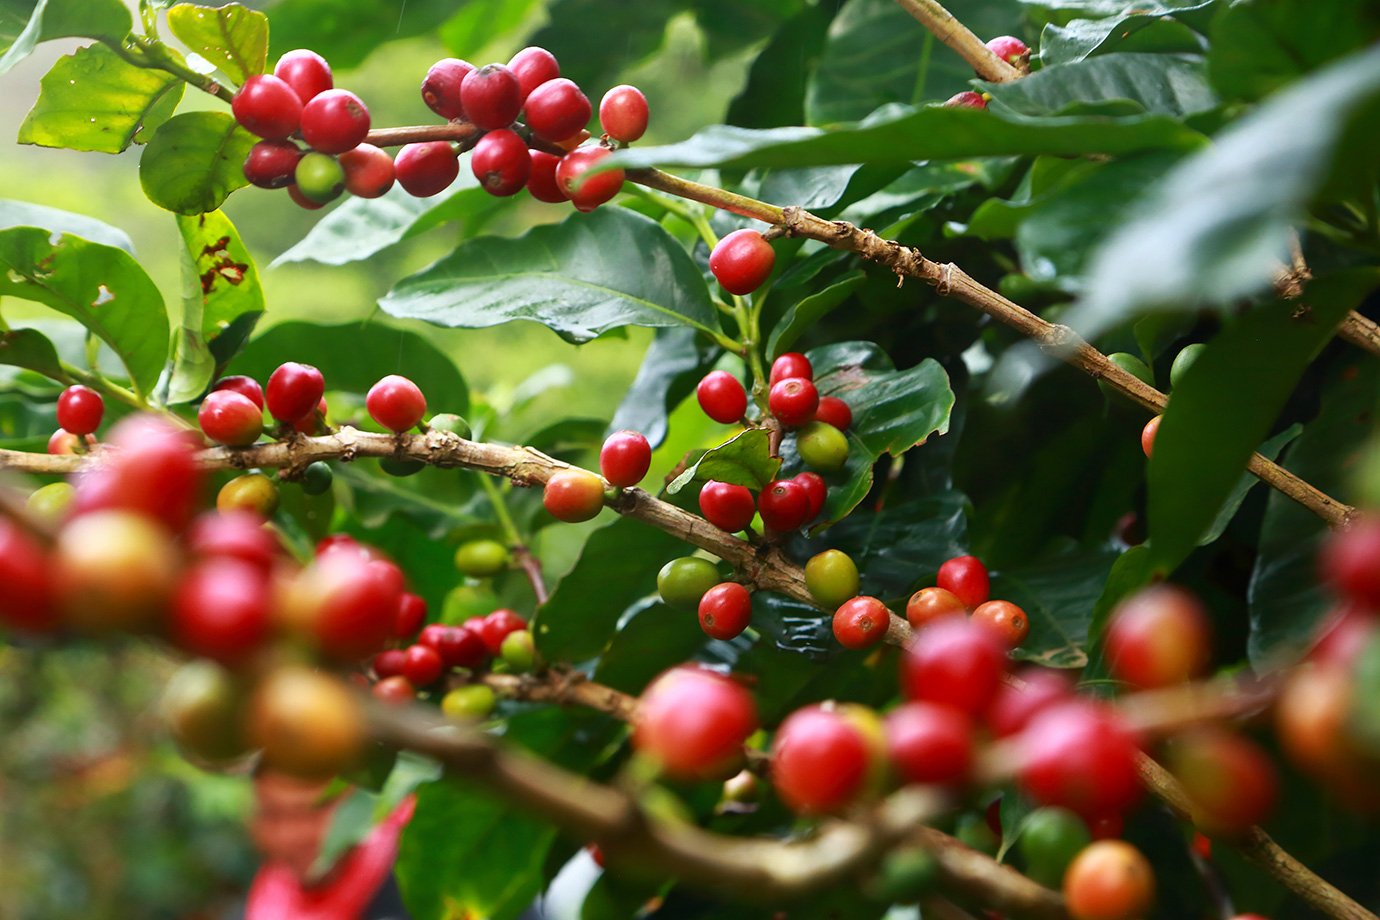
{"x": 524, "y": 557}
{"x": 149, "y": 52}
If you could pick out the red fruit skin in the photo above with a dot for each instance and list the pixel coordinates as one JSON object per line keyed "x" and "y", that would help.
{"x": 861, "y": 622}
{"x": 954, "y": 663}
{"x": 1157, "y": 637}
{"x": 245, "y": 386}
{"x": 306, "y": 72}
{"x": 966, "y": 578}
{"x": 1078, "y": 754}
{"x": 541, "y": 182}
{"x": 396, "y": 403}
{"x": 335, "y": 121}
{"x": 389, "y": 663}
{"x": 928, "y": 743}
{"x": 722, "y": 397}
{"x": 742, "y": 261}
{"x": 783, "y": 505}
{"x": 395, "y": 690}
{"x": 497, "y": 626}
{"x": 293, "y": 391}
{"x": 369, "y": 171}
{"x": 693, "y": 722}
{"x": 268, "y": 107}
{"x": 1147, "y": 435}
{"x": 410, "y": 616}
{"x": 930, "y": 604}
{"x": 441, "y": 87}
{"x": 1008, "y": 622}
{"x": 272, "y": 164}
{"x": 63, "y": 441}
{"x": 819, "y": 761}
{"x": 336, "y": 541}
{"x": 625, "y": 458}
{"x": 835, "y": 412}
{"x": 422, "y": 665}
{"x": 623, "y": 113}
{"x": 314, "y": 423}
{"x": 728, "y": 507}
{"x": 816, "y": 491}
{"x": 725, "y": 610}
{"x": 501, "y": 163}
{"x": 459, "y": 646}
{"x": 573, "y": 496}
{"x": 1350, "y": 560}
{"x": 358, "y": 605}
{"x": 587, "y": 195}
{"x": 1009, "y": 48}
{"x": 26, "y": 603}
{"x": 491, "y": 96}
{"x": 1342, "y": 636}
{"x": 80, "y": 409}
{"x": 1230, "y": 780}
{"x": 793, "y": 401}
{"x": 534, "y": 66}
{"x": 220, "y": 610}
{"x": 235, "y": 535}
{"x": 966, "y": 100}
{"x": 557, "y": 109}
{"x": 791, "y": 364}
{"x": 1015, "y": 705}
{"x": 302, "y": 201}
{"x": 230, "y": 418}
{"x": 151, "y": 470}
{"x": 427, "y": 168}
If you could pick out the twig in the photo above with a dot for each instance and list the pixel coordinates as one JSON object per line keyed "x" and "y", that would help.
{"x": 961, "y": 39}
{"x": 1361, "y": 332}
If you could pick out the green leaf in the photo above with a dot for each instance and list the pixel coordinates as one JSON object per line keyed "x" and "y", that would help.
{"x": 194, "y": 162}
{"x": 809, "y": 310}
{"x": 24, "y": 214}
{"x": 1058, "y": 595}
{"x": 577, "y": 33}
{"x": 652, "y": 639}
{"x": 1139, "y": 32}
{"x": 774, "y": 94}
{"x": 743, "y": 460}
{"x": 581, "y": 277}
{"x": 676, "y": 361}
{"x": 29, "y": 348}
{"x": 1224, "y": 405}
{"x": 1133, "y": 570}
{"x": 900, "y": 548}
{"x": 95, "y": 100}
{"x": 1165, "y": 84}
{"x": 1247, "y": 481}
{"x": 234, "y": 38}
{"x": 479, "y": 23}
{"x": 345, "y": 33}
{"x": 48, "y": 19}
{"x": 101, "y": 287}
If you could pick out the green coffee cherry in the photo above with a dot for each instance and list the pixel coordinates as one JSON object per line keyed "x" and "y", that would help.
{"x": 482, "y": 558}
{"x": 973, "y": 830}
{"x": 832, "y": 578}
{"x": 822, "y": 446}
{"x": 1133, "y": 366}
{"x": 518, "y": 652}
{"x": 399, "y": 467}
{"x": 449, "y": 421}
{"x": 51, "y": 502}
{"x": 682, "y": 582}
{"x": 1183, "y": 361}
{"x": 1050, "y": 839}
{"x": 319, "y": 177}
{"x": 906, "y": 876}
{"x": 317, "y": 478}
{"x": 468, "y": 703}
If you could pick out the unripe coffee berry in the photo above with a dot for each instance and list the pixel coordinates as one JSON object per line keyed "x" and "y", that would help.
{"x": 230, "y": 418}
{"x": 573, "y": 496}
{"x": 267, "y": 106}
{"x": 251, "y": 492}
{"x": 482, "y": 558}
{"x": 441, "y": 87}
{"x": 587, "y": 193}
{"x": 793, "y": 401}
{"x": 396, "y": 403}
{"x": 725, "y": 610}
{"x": 722, "y": 397}
{"x": 491, "y": 96}
{"x": 861, "y": 622}
{"x": 623, "y": 113}
{"x": 683, "y": 582}
{"x": 469, "y": 703}
{"x": 742, "y": 261}
{"x": 728, "y": 507}
{"x": 80, "y": 409}
{"x": 427, "y": 168}
{"x": 319, "y": 177}
{"x": 501, "y": 163}
{"x": 625, "y": 458}
{"x": 822, "y": 446}
{"x": 335, "y": 121}
{"x": 831, "y": 577}
{"x": 534, "y": 66}
{"x": 518, "y": 651}
{"x": 294, "y": 390}
{"x": 791, "y": 364}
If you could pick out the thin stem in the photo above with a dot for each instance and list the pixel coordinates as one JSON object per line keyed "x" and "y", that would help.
{"x": 522, "y": 555}
{"x": 961, "y": 39}
{"x": 151, "y": 54}
{"x": 97, "y": 382}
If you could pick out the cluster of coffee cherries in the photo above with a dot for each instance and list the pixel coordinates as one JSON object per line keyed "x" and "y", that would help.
{"x": 963, "y": 587}
{"x": 1011, "y": 50}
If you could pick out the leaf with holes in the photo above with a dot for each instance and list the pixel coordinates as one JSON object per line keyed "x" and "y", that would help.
{"x": 194, "y": 162}
{"x": 233, "y": 38}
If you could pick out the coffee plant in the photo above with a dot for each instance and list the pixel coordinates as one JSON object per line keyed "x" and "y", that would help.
{"x": 901, "y": 608}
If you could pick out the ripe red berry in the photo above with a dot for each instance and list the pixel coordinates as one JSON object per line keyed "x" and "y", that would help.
{"x": 427, "y": 168}
{"x": 230, "y": 418}
{"x": 966, "y": 100}
{"x": 293, "y": 391}
{"x": 396, "y": 403}
{"x": 793, "y": 401}
{"x": 501, "y": 163}
{"x": 835, "y": 412}
{"x": 587, "y": 194}
{"x": 930, "y": 604}
{"x": 742, "y": 261}
{"x": 352, "y": 606}
{"x": 441, "y": 87}
{"x": 152, "y": 471}
{"x": 1147, "y": 435}
{"x": 491, "y": 96}
{"x": 1009, "y": 48}
{"x": 815, "y": 492}
{"x": 954, "y": 663}
{"x": 459, "y": 646}
{"x": 1350, "y": 560}
{"x": 497, "y": 626}
{"x": 557, "y": 109}
{"x": 221, "y": 610}
{"x": 1157, "y": 637}
{"x": 306, "y": 72}
{"x": 1005, "y": 620}
{"x": 26, "y": 603}
{"x": 542, "y": 180}
{"x": 268, "y": 107}
{"x": 422, "y": 665}
{"x": 534, "y": 66}
{"x": 623, "y": 113}
{"x": 783, "y": 505}
{"x": 315, "y": 423}
{"x": 693, "y": 722}
{"x": 80, "y": 409}
{"x": 245, "y": 386}
{"x": 1017, "y": 702}
{"x": 1229, "y": 779}
{"x": 1109, "y": 880}
{"x": 1078, "y": 754}
{"x": 861, "y": 622}
{"x": 791, "y": 364}
{"x": 335, "y": 121}
{"x": 63, "y": 441}
{"x": 389, "y": 663}
{"x": 410, "y": 616}
{"x": 272, "y": 164}
{"x": 573, "y": 495}
{"x": 237, "y": 535}
{"x": 369, "y": 171}
{"x": 722, "y": 397}
{"x": 302, "y": 201}
{"x": 625, "y": 458}
{"x": 819, "y": 760}
{"x": 396, "y": 690}
{"x": 966, "y": 578}
{"x": 728, "y": 507}
{"x": 725, "y": 610}
{"x": 929, "y": 743}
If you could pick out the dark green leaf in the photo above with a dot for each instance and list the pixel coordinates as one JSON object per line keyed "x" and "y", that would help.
{"x": 730, "y": 25}
{"x": 809, "y": 310}
{"x": 1137, "y": 32}
{"x": 345, "y": 33}
{"x": 652, "y": 639}
{"x": 24, "y": 214}
{"x": 194, "y": 162}
{"x": 1269, "y": 450}
{"x": 1059, "y": 595}
{"x": 674, "y": 363}
{"x": 900, "y": 548}
{"x": 1133, "y": 570}
{"x": 31, "y": 349}
{"x": 775, "y": 91}
{"x": 577, "y": 33}
{"x": 581, "y": 277}
{"x": 479, "y": 23}
{"x": 44, "y": 20}
{"x": 743, "y": 460}
{"x": 95, "y": 100}
{"x": 1165, "y": 84}
{"x": 232, "y": 37}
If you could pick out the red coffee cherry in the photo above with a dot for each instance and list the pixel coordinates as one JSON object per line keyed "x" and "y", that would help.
{"x": 783, "y": 505}
{"x": 1350, "y": 560}
{"x": 625, "y": 458}
{"x": 306, "y": 72}
{"x": 302, "y": 201}
{"x": 497, "y": 626}
{"x": 793, "y": 401}
{"x": 542, "y": 180}
{"x": 63, "y": 441}
{"x": 815, "y": 492}
{"x": 727, "y": 506}
{"x": 501, "y": 163}
{"x": 441, "y": 87}
{"x": 335, "y": 121}
{"x": 1005, "y": 620}
{"x": 929, "y": 743}
{"x": 389, "y": 663}
{"x": 268, "y": 107}
{"x": 742, "y": 261}
{"x": 459, "y": 646}
{"x": 1229, "y": 779}
{"x": 930, "y": 604}
{"x": 725, "y": 610}
{"x": 1018, "y": 702}
{"x": 791, "y": 364}
{"x": 693, "y": 722}
{"x": 533, "y": 67}
{"x": 396, "y": 690}
{"x": 1342, "y": 635}
{"x": 722, "y": 397}
{"x": 422, "y": 665}
{"x": 573, "y": 496}
{"x": 293, "y": 391}
{"x": 557, "y": 109}
{"x": 966, "y": 100}
{"x": 427, "y": 168}
{"x": 272, "y": 164}
{"x": 954, "y": 663}
{"x": 410, "y": 616}
{"x": 1157, "y": 637}
{"x": 820, "y": 760}
{"x": 347, "y": 606}
{"x": 26, "y": 603}
{"x": 1147, "y": 435}
{"x": 623, "y": 113}
{"x": 834, "y": 411}
{"x": 152, "y": 472}
{"x": 491, "y": 96}
{"x": 1009, "y": 48}
{"x": 1078, "y": 754}
{"x": 220, "y": 610}
{"x": 315, "y": 423}
{"x": 587, "y": 194}
{"x": 1109, "y": 880}
{"x": 237, "y": 535}
{"x": 861, "y": 622}
{"x": 369, "y": 171}
{"x": 396, "y": 403}
{"x": 965, "y": 577}
{"x": 80, "y": 409}
{"x": 230, "y": 418}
